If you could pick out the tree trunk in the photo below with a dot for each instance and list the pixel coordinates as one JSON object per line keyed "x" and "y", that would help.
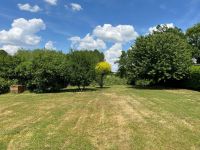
{"x": 101, "y": 81}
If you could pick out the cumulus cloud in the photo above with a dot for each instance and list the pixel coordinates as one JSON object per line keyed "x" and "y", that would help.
{"x": 11, "y": 49}
{"x": 28, "y": 7}
{"x": 118, "y": 34}
{"x": 112, "y": 55}
{"x": 88, "y": 42}
{"x": 51, "y": 2}
{"x": 169, "y": 25}
{"x": 107, "y": 34}
{"x": 21, "y": 34}
{"x": 76, "y": 7}
{"x": 49, "y": 45}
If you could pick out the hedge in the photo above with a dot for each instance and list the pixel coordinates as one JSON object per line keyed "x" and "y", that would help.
{"x": 194, "y": 78}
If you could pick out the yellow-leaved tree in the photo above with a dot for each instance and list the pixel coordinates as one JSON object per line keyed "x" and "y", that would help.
{"x": 102, "y": 69}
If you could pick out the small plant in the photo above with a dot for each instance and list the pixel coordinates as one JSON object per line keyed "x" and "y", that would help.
{"x": 102, "y": 69}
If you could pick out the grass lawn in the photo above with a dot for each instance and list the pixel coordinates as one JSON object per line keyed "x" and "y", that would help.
{"x": 119, "y": 117}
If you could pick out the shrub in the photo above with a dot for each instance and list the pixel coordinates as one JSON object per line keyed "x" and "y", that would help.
{"x": 4, "y": 86}
{"x": 114, "y": 80}
{"x": 194, "y": 79}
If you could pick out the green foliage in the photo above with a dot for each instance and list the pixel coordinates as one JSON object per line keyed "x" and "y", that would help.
{"x": 159, "y": 57}
{"x": 114, "y": 80}
{"x": 42, "y": 70}
{"x": 193, "y": 36}
{"x": 7, "y": 66}
{"x": 102, "y": 69}
{"x": 4, "y": 86}
{"x": 194, "y": 79}
{"x": 143, "y": 83}
{"x": 122, "y": 71}
{"x": 82, "y": 67}
{"x": 165, "y": 29}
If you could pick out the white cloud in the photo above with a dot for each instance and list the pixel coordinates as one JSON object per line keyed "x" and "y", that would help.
{"x": 22, "y": 33}
{"x": 28, "y": 7}
{"x": 51, "y": 2}
{"x": 113, "y": 54}
{"x": 169, "y": 25}
{"x": 11, "y": 49}
{"x": 118, "y": 34}
{"x": 49, "y": 45}
{"x": 76, "y": 7}
{"x": 106, "y": 34}
{"x": 88, "y": 42}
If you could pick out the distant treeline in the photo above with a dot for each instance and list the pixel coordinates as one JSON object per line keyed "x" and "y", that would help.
{"x": 44, "y": 70}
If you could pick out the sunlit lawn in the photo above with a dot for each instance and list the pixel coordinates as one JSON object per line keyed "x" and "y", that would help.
{"x": 119, "y": 117}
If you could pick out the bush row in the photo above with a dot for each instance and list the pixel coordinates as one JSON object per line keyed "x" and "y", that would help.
{"x": 47, "y": 70}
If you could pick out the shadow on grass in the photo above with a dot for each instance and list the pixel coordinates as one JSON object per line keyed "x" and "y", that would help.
{"x": 74, "y": 90}
{"x": 77, "y": 90}
{"x": 106, "y": 87}
{"x": 161, "y": 88}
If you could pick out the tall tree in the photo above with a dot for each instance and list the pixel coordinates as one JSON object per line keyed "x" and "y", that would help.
{"x": 122, "y": 72}
{"x": 82, "y": 67}
{"x": 193, "y": 37}
{"x": 159, "y": 57}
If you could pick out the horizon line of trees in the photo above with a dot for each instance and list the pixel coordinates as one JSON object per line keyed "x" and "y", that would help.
{"x": 48, "y": 70}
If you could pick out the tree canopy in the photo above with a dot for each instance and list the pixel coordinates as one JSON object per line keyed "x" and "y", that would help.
{"x": 102, "y": 69}
{"x": 193, "y": 37}
{"x": 159, "y": 57}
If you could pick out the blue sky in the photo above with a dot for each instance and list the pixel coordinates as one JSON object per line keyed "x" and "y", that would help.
{"x": 63, "y": 21}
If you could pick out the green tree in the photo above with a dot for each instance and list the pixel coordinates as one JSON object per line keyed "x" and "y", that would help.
{"x": 102, "y": 69}
{"x": 7, "y": 65}
{"x": 42, "y": 70}
{"x": 159, "y": 57}
{"x": 122, "y": 73}
{"x": 193, "y": 36}
{"x": 82, "y": 67}
{"x": 166, "y": 29}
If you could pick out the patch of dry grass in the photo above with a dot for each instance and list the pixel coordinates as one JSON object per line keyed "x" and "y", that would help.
{"x": 114, "y": 118}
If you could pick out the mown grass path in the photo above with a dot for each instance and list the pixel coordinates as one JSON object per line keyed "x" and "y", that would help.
{"x": 119, "y": 117}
